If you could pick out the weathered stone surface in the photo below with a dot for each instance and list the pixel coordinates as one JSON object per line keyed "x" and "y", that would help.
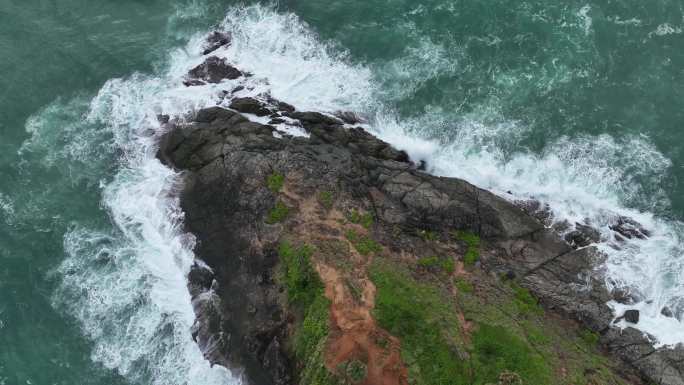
{"x": 632, "y": 316}
{"x": 213, "y": 70}
{"x": 250, "y": 106}
{"x": 241, "y": 320}
{"x": 629, "y": 228}
{"x": 582, "y": 236}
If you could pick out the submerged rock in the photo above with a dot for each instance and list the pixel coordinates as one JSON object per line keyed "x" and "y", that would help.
{"x": 215, "y": 41}
{"x": 629, "y": 228}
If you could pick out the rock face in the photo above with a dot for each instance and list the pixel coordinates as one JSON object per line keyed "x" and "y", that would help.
{"x": 241, "y": 320}
{"x": 213, "y": 70}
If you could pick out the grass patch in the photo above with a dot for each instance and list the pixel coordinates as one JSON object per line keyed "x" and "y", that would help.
{"x": 464, "y": 286}
{"x": 363, "y": 243}
{"x": 326, "y": 199}
{"x": 424, "y": 320}
{"x": 304, "y": 291}
{"x": 428, "y": 261}
{"x": 278, "y": 213}
{"x": 535, "y": 335}
{"x": 496, "y": 350}
{"x": 445, "y": 264}
{"x": 354, "y": 370}
{"x": 448, "y": 265}
{"x": 589, "y": 337}
{"x": 301, "y": 281}
{"x": 275, "y": 182}
{"x": 524, "y": 301}
{"x": 472, "y": 253}
{"x": 418, "y": 315}
{"x": 366, "y": 220}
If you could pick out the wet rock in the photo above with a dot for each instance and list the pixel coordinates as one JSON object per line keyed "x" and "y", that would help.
{"x": 536, "y": 209}
{"x": 349, "y": 117}
{"x": 215, "y": 41}
{"x": 249, "y": 106}
{"x": 193, "y": 83}
{"x": 632, "y": 316}
{"x": 312, "y": 118}
{"x": 666, "y": 312}
{"x": 282, "y": 106}
{"x": 276, "y": 121}
{"x": 226, "y": 158}
{"x": 629, "y": 228}
{"x": 623, "y": 296}
{"x": 213, "y": 70}
{"x": 582, "y": 236}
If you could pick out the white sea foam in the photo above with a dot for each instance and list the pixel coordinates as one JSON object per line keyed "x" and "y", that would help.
{"x": 6, "y": 209}
{"x": 127, "y": 286}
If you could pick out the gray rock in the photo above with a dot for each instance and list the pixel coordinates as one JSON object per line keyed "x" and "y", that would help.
{"x": 249, "y": 106}
{"x": 629, "y": 228}
{"x": 226, "y": 160}
{"x": 632, "y": 316}
{"x": 582, "y": 236}
{"x": 213, "y": 70}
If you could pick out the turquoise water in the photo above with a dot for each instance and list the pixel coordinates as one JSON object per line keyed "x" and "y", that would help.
{"x": 577, "y": 104}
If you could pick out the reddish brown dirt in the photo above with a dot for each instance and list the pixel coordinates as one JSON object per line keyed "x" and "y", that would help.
{"x": 354, "y": 333}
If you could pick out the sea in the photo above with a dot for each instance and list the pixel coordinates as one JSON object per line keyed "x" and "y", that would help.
{"x": 576, "y": 104}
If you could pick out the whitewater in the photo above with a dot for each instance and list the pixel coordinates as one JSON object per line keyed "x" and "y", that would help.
{"x": 126, "y": 286}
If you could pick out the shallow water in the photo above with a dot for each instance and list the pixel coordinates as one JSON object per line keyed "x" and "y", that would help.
{"x": 578, "y": 105}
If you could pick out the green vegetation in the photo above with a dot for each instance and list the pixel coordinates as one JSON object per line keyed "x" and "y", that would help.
{"x": 464, "y": 286}
{"x": 424, "y": 320}
{"x": 326, "y": 199}
{"x": 534, "y": 334}
{"x": 589, "y": 337}
{"x": 496, "y": 349}
{"x": 472, "y": 254}
{"x": 363, "y": 243}
{"x": 278, "y": 213}
{"x": 524, "y": 301}
{"x": 354, "y": 370}
{"x": 304, "y": 291}
{"x": 366, "y": 220}
{"x": 428, "y": 261}
{"x": 446, "y": 264}
{"x": 301, "y": 281}
{"x": 419, "y": 316}
{"x": 275, "y": 182}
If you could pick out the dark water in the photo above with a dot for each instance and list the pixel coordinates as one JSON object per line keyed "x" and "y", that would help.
{"x": 579, "y": 104}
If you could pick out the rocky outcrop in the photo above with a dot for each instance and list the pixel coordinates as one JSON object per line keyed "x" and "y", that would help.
{"x": 241, "y": 319}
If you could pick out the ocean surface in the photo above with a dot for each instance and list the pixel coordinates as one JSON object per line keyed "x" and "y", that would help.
{"x": 576, "y": 104}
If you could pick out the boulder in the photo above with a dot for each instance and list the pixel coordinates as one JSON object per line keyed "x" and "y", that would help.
{"x": 213, "y": 70}
{"x": 582, "y": 236}
{"x": 632, "y": 316}
{"x": 249, "y": 106}
{"x": 629, "y": 228}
